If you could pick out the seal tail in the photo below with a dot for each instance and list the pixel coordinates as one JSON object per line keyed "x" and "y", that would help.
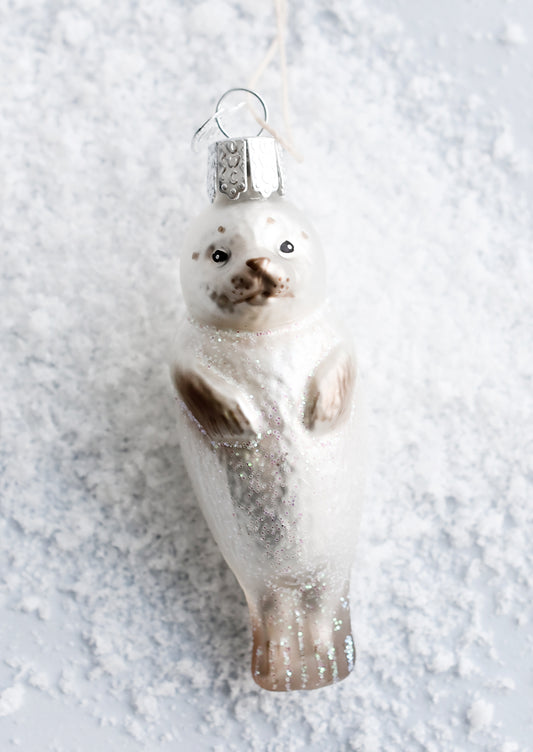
{"x": 298, "y": 648}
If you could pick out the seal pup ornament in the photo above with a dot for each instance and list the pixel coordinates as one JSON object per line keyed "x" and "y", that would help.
{"x": 269, "y": 420}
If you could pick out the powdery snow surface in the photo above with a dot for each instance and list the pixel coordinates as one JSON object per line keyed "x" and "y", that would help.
{"x": 11, "y": 699}
{"x": 121, "y": 627}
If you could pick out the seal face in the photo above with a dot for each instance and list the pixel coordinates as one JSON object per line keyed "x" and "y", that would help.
{"x": 252, "y": 266}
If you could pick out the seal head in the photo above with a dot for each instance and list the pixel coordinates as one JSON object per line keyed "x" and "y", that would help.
{"x": 253, "y": 266}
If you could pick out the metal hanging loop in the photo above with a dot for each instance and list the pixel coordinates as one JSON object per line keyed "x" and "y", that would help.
{"x": 218, "y": 111}
{"x": 207, "y": 129}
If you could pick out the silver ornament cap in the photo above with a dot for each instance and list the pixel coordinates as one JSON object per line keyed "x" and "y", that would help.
{"x": 245, "y": 168}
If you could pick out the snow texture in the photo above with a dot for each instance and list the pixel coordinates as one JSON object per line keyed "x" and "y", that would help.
{"x": 120, "y": 622}
{"x": 11, "y": 699}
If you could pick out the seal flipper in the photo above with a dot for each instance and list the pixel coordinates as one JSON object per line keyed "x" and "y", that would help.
{"x": 297, "y": 647}
{"x": 330, "y": 391}
{"x": 220, "y": 408}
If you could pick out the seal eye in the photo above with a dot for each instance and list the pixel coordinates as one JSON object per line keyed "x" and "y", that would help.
{"x": 219, "y": 256}
{"x": 286, "y": 247}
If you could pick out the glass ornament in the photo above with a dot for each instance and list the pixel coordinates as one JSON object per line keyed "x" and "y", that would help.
{"x": 269, "y": 417}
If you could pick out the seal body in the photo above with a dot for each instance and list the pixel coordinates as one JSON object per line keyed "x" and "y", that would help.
{"x": 271, "y": 436}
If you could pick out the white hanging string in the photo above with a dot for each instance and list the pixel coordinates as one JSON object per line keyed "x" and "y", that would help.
{"x": 277, "y": 43}
{"x": 206, "y": 130}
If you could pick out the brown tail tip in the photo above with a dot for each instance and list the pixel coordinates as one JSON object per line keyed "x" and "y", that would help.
{"x": 306, "y": 654}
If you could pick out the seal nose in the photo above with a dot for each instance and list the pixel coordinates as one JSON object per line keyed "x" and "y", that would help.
{"x": 264, "y": 274}
{"x": 258, "y": 264}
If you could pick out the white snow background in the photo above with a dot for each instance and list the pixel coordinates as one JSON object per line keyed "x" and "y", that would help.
{"x": 121, "y": 627}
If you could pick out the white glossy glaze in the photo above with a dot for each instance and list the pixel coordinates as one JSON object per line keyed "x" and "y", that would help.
{"x": 279, "y": 480}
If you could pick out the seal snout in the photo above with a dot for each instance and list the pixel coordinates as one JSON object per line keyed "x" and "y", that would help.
{"x": 259, "y": 280}
{"x": 264, "y": 272}
{"x": 264, "y": 277}
{"x": 258, "y": 265}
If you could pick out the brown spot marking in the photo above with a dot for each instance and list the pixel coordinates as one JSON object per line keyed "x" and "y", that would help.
{"x": 221, "y": 229}
{"x": 271, "y": 221}
{"x": 304, "y": 235}
{"x": 241, "y": 282}
{"x": 222, "y": 301}
{"x": 195, "y": 256}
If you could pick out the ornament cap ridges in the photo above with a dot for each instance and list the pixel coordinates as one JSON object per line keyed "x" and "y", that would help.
{"x": 245, "y": 168}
